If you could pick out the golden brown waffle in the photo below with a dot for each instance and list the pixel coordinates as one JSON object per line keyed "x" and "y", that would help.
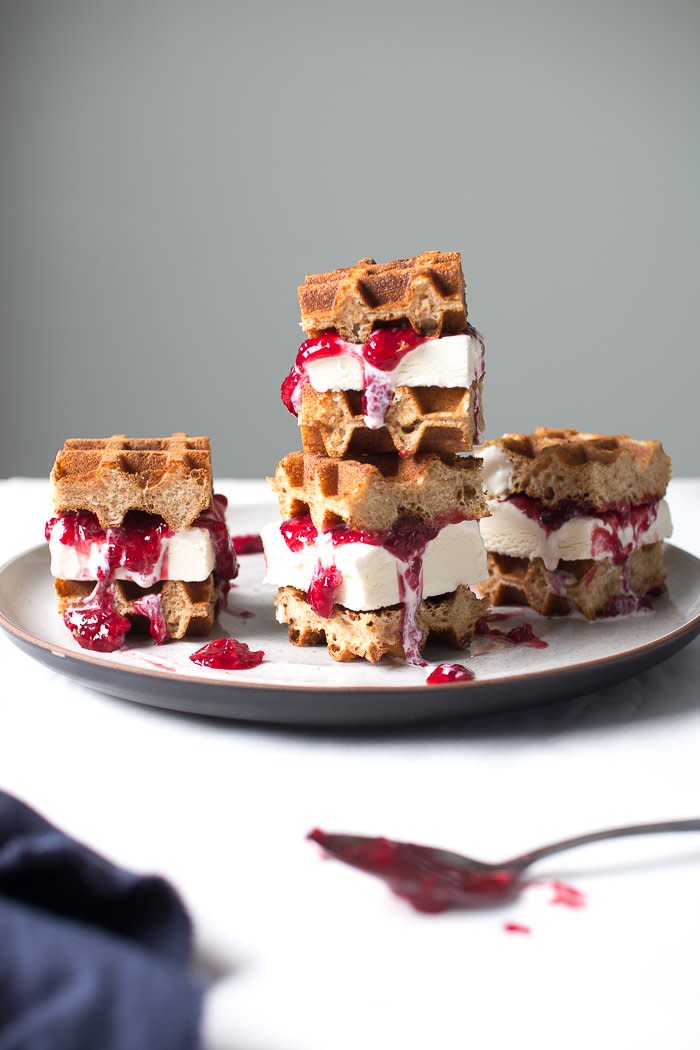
{"x": 586, "y": 584}
{"x": 373, "y": 492}
{"x": 188, "y": 608}
{"x": 426, "y": 290}
{"x": 418, "y": 419}
{"x": 170, "y": 477}
{"x": 556, "y": 465}
{"x": 372, "y": 635}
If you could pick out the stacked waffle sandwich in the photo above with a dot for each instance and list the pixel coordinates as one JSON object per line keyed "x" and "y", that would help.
{"x": 138, "y": 539}
{"x": 380, "y": 543}
{"x": 576, "y": 520}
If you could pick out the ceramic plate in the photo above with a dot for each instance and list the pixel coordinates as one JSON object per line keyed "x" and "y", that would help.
{"x": 305, "y": 687}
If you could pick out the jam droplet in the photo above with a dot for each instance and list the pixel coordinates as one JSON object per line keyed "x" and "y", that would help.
{"x": 425, "y": 877}
{"x": 449, "y": 673}
{"x": 227, "y": 654}
{"x": 516, "y": 927}
{"x": 567, "y": 895}
{"x": 247, "y": 543}
{"x": 98, "y": 628}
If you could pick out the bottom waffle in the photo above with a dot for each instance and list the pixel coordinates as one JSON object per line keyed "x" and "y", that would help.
{"x": 372, "y": 635}
{"x": 588, "y": 585}
{"x": 188, "y": 608}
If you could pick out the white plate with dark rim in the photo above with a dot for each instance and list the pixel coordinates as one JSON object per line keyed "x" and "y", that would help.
{"x": 305, "y": 687}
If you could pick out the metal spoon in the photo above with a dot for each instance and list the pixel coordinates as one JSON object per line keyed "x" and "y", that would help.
{"x": 435, "y": 879}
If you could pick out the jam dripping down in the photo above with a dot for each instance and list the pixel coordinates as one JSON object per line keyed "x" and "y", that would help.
{"x": 427, "y": 878}
{"x": 227, "y": 654}
{"x": 406, "y": 540}
{"x": 247, "y": 543}
{"x": 521, "y": 635}
{"x": 449, "y": 673}
{"x": 379, "y": 356}
{"x": 608, "y": 538}
{"x": 140, "y": 546}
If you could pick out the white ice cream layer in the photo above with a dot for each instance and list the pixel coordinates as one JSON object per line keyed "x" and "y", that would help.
{"x": 453, "y": 361}
{"x": 509, "y": 531}
{"x": 370, "y": 578}
{"x": 187, "y": 555}
{"x": 496, "y": 470}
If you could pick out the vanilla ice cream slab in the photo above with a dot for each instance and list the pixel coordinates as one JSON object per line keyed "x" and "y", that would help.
{"x": 391, "y": 363}
{"x": 575, "y": 520}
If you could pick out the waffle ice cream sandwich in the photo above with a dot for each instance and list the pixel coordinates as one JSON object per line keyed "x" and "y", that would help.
{"x": 138, "y": 539}
{"x": 391, "y": 364}
{"x": 375, "y": 555}
{"x": 576, "y": 520}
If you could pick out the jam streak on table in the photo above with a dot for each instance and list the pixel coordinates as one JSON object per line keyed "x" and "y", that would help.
{"x": 227, "y": 654}
{"x": 449, "y": 673}
{"x": 379, "y": 356}
{"x": 522, "y": 635}
{"x": 140, "y": 546}
{"x": 516, "y": 927}
{"x": 406, "y": 540}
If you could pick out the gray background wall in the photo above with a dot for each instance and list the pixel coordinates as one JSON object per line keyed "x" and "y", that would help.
{"x": 169, "y": 173}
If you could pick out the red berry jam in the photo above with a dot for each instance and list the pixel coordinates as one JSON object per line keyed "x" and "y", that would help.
{"x": 567, "y": 895}
{"x": 522, "y": 635}
{"x": 151, "y": 606}
{"x": 516, "y": 927}
{"x": 449, "y": 673}
{"x": 325, "y": 584}
{"x": 383, "y": 351}
{"x": 98, "y": 628}
{"x": 431, "y": 880}
{"x": 227, "y": 654}
{"x": 247, "y": 543}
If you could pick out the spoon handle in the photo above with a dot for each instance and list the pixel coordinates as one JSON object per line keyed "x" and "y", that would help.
{"x": 525, "y": 859}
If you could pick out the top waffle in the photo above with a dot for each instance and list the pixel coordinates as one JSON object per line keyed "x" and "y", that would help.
{"x": 170, "y": 477}
{"x": 426, "y": 290}
{"x": 556, "y": 465}
{"x": 371, "y": 493}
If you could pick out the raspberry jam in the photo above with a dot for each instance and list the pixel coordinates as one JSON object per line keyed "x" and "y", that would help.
{"x": 383, "y": 351}
{"x": 522, "y": 635}
{"x": 151, "y": 606}
{"x": 325, "y": 584}
{"x": 449, "y": 673}
{"x": 567, "y": 895}
{"x": 247, "y": 543}
{"x": 430, "y": 879}
{"x": 138, "y": 545}
{"x": 97, "y": 627}
{"x": 227, "y": 654}
{"x": 617, "y": 530}
{"x": 516, "y": 927}
{"x": 406, "y": 540}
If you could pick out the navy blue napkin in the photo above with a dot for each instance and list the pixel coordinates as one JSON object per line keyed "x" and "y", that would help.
{"x": 92, "y": 957}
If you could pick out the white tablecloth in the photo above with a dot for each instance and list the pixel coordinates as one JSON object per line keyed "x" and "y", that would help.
{"x": 315, "y": 956}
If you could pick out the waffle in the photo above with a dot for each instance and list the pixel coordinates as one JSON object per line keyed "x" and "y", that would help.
{"x": 557, "y": 465}
{"x": 188, "y": 608}
{"x": 372, "y": 635}
{"x": 170, "y": 477}
{"x": 373, "y": 492}
{"x": 418, "y": 419}
{"x": 426, "y": 290}
{"x": 587, "y": 585}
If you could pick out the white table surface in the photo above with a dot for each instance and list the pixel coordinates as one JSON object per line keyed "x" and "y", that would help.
{"x": 315, "y": 956}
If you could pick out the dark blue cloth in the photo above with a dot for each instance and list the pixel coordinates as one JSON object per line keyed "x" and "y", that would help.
{"x": 92, "y": 957}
